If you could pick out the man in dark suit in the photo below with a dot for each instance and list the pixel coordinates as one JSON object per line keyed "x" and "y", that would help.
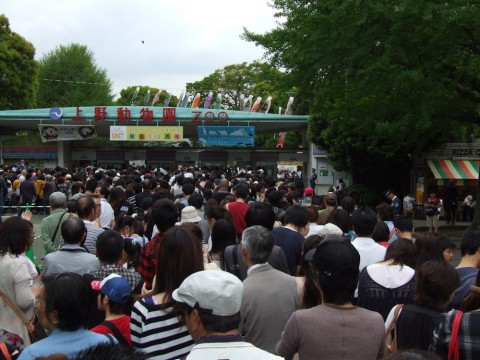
{"x": 258, "y": 214}
{"x": 269, "y": 296}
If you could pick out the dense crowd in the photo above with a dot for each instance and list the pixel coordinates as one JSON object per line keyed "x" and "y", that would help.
{"x": 208, "y": 263}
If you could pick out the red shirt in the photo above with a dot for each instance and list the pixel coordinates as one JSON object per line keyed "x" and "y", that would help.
{"x": 238, "y": 210}
{"x": 147, "y": 264}
{"x": 122, "y": 324}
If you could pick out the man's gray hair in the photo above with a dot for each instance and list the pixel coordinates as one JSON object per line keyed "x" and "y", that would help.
{"x": 258, "y": 243}
{"x": 57, "y": 199}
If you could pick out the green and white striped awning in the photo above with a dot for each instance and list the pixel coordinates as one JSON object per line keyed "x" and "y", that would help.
{"x": 454, "y": 169}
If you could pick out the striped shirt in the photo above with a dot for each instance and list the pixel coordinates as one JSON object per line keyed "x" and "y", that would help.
{"x": 155, "y": 329}
{"x": 92, "y": 235}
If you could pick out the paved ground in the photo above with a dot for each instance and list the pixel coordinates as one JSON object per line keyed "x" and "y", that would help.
{"x": 454, "y": 232}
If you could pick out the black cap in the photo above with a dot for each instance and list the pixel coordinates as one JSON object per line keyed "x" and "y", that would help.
{"x": 336, "y": 257}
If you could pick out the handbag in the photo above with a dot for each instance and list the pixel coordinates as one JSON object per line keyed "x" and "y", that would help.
{"x": 453, "y": 353}
{"x": 391, "y": 347}
{"x": 35, "y": 330}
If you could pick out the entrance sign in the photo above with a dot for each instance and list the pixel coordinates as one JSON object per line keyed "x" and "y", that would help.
{"x": 146, "y": 133}
{"x": 66, "y": 132}
{"x": 226, "y": 135}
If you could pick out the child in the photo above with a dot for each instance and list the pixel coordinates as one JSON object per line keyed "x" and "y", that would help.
{"x": 115, "y": 299}
{"x": 448, "y": 248}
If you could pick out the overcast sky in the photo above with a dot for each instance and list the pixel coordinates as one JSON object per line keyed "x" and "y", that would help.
{"x": 184, "y": 41}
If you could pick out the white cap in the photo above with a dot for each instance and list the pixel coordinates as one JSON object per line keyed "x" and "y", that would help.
{"x": 189, "y": 214}
{"x": 218, "y": 291}
{"x": 331, "y": 229}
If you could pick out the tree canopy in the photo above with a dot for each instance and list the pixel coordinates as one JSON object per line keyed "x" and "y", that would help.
{"x": 126, "y": 96}
{"x": 69, "y": 76}
{"x": 18, "y": 69}
{"x": 256, "y": 79}
{"x": 387, "y": 79}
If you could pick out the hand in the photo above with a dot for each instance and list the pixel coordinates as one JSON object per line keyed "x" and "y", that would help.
{"x": 26, "y": 215}
{"x": 146, "y": 292}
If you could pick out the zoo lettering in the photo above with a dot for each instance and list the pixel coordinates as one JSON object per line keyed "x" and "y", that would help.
{"x": 168, "y": 115}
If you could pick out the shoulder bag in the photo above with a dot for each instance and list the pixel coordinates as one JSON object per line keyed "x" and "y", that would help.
{"x": 391, "y": 347}
{"x": 35, "y": 330}
{"x": 453, "y": 353}
{"x": 58, "y": 226}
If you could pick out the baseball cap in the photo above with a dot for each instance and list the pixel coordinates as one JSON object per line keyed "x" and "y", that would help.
{"x": 218, "y": 291}
{"x": 335, "y": 258}
{"x": 114, "y": 286}
{"x": 308, "y": 191}
{"x": 330, "y": 196}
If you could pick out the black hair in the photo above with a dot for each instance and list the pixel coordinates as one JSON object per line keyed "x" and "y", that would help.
{"x": 384, "y": 212}
{"x": 215, "y": 323}
{"x": 223, "y": 235}
{"x": 242, "y": 190}
{"x": 196, "y": 200}
{"x": 70, "y": 295}
{"x": 381, "y": 233}
{"x": 107, "y": 351}
{"x": 296, "y": 215}
{"x": 119, "y": 308}
{"x": 403, "y": 223}
{"x": 188, "y": 189}
{"x": 260, "y": 213}
{"x": 471, "y": 241}
{"x": 110, "y": 246}
{"x": 342, "y": 219}
{"x": 133, "y": 253}
{"x": 91, "y": 185}
{"x": 446, "y": 243}
{"x": 364, "y": 220}
{"x": 164, "y": 214}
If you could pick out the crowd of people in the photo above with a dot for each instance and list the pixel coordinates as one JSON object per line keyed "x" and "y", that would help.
{"x": 233, "y": 264}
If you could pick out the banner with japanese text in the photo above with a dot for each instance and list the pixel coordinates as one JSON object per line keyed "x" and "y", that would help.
{"x": 226, "y": 135}
{"x": 66, "y": 132}
{"x": 146, "y": 133}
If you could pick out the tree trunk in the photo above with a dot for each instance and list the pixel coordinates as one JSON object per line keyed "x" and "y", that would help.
{"x": 476, "y": 214}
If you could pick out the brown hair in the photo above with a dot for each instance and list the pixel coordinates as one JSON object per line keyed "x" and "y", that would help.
{"x": 435, "y": 283}
{"x": 15, "y": 234}
{"x": 179, "y": 255}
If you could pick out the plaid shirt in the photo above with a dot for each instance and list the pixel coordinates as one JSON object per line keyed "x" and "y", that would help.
{"x": 134, "y": 279}
{"x": 468, "y": 335}
{"x": 147, "y": 264}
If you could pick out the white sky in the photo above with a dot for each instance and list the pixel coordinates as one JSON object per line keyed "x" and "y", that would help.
{"x": 185, "y": 40}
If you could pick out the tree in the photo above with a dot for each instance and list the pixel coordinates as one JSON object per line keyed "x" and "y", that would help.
{"x": 390, "y": 80}
{"x": 18, "y": 69}
{"x": 256, "y": 79}
{"x": 69, "y": 76}
{"x": 127, "y": 94}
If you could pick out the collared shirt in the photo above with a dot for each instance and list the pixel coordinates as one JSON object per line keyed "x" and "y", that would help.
{"x": 68, "y": 343}
{"x": 92, "y": 234}
{"x": 106, "y": 215}
{"x": 134, "y": 279}
{"x": 253, "y": 267}
{"x": 147, "y": 263}
{"x": 71, "y": 258}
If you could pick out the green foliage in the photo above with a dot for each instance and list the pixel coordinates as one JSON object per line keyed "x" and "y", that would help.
{"x": 256, "y": 79}
{"x": 269, "y": 141}
{"x": 69, "y": 76}
{"x": 388, "y": 79}
{"x": 126, "y": 95}
{"x": 18, "y": 69}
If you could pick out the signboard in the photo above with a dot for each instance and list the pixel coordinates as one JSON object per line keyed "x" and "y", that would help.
{"x": 146, "y": 133}
{"x": 226, "y": 135}
{"x": 66, "y": 132}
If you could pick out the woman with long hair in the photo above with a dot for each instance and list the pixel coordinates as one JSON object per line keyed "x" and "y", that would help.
{"x": 119, "y": 203}
{"x": 16, "y": 282}
{"x": 435, "y": 283}
{"x": 390, "y": 282}
{"x": 308, "y": 289}
{"x": 155, "y": 322}
{"x": 223, "y": 235}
